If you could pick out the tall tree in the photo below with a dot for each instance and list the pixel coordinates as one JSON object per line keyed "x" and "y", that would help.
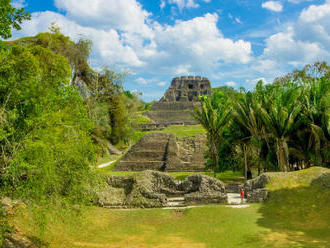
{"x": 214, "y": 118}
{"x": 282, "y": 118}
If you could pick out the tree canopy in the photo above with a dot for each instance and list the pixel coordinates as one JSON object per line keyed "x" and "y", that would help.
{"x": 10, "y": 17}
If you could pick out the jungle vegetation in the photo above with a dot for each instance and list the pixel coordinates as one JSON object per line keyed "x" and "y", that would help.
{"x": 282, "y": 126}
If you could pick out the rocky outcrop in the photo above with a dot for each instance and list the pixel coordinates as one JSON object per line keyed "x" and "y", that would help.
{"x": 16, "y": 240}
{"x": 256, "y": 183}
{"x": 257, "y": 195}
{"x": 323, "y": 180}
{"x": 164, "y": 152}
{"x": 142, "y": 190}
{"x": 151, "y": 189}
{"x": 255, "y": 189}
{"x": 200, "y": 189}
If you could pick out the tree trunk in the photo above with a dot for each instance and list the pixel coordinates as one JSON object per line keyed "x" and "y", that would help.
{"x": 282, "y": 155}
{"x": 216, "y": 161}
{"x": 245, "y": 162}
{"x": 214, "y": 156}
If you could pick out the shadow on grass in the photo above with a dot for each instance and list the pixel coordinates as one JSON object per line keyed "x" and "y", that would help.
{"x": 300, "y": 216}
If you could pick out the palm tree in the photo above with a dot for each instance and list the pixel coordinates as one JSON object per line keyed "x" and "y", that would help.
{"x": 214, "y": 118}
{"x": 316, "y": 106}
{"x": 246, "y": 116}
{"x": 282, "y": 118}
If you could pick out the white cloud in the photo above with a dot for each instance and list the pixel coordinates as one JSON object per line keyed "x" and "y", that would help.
{"x": 19, "y": 4}
{"x": 108, "y": 46}
{"x": 162, "y": 83}
{"x": 200, "y": 43}
{"x": 256, "y": 80}
{"x": 162, "y": 4}
{"x": 316, "y": 13}
{"x": 264, "y": 65}
{"x": 273, "y": 6}
{"x": 299, "y": 1}
{"x": 141, "y": 80}
{"x": 284, "y": 48}
{"x": 125, "y": 15}
{"x": 231, "y": 84}
{"x": 305, "y": 41}
{"x": 238, "y": 20}
{"x": 184, "y": 3}
{"x": 235, "y": 20}
{"x": 196, "y": 45}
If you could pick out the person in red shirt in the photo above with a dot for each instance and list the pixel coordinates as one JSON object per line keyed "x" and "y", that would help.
{"x": 242, "y": 194}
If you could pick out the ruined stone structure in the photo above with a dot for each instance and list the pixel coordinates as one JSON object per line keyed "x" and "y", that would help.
{"x": 163, "y": 151}
{"x": 186, "y": 89}
{"x": 178, "y": 101}
{"x": 153, "y": 189}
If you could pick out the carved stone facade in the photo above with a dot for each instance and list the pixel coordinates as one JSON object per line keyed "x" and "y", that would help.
{"x": 187, "y": 89}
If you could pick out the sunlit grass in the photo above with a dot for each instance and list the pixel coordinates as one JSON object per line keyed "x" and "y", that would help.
{"x": 182, "y": 131}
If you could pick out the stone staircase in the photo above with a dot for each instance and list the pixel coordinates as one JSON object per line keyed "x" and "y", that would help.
{"x": 233, "y": 187}
{"x": 176, "y": 202}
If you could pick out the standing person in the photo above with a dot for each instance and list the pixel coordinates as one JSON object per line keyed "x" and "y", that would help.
{"x": 242, "y": 194}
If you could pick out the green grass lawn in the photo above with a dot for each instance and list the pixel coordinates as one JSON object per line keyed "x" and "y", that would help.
{"x": 183, "y": 131}
{"x": 296, "y": 215}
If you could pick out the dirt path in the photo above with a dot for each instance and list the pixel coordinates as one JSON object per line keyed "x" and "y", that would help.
{"x": 235, "y": 199}
{"x": 106, "y": 164}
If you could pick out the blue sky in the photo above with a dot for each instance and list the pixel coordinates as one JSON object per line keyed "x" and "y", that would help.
{"x": 232, "y": 42}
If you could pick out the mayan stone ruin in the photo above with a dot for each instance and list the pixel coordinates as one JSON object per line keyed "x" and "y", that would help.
{"x": 178, "y": 101}
{"x": 163, "y": 151}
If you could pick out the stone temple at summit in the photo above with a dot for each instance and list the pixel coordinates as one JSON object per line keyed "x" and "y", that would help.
{"x": 179, "y": 100}
{"x": 186, "y": 89}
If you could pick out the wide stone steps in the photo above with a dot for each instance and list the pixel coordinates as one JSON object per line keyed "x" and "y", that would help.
{"x": 233, "y": 187}
{"x": 176, "y": 202}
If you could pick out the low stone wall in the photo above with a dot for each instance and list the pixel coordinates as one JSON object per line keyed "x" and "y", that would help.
{"x": 201, "y": 189}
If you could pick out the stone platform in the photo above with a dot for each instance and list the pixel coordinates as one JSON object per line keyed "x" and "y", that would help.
{"x": 164, "y": 152}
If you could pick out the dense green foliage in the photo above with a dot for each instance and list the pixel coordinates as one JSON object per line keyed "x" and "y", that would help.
{"x": 56, "y": 116}
{"x": 45, "y": 139}
{"x": 281, "y": 126}
{"x": 10, "y": 17}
